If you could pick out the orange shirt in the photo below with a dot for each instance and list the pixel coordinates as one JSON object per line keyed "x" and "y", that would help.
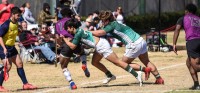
{"x": 6, "y": 14}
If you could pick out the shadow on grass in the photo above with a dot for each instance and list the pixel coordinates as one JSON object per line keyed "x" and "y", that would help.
{"x": 20, "y": 90}
{"x": 113, "y": 85}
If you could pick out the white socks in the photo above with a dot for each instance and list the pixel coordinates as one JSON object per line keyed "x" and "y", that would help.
{"x": 67, "y": 74}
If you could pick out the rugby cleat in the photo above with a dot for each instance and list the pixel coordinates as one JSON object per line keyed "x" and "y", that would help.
{"x": 108, "y": 79}
{"x": 28, "y": 86}
{"x": 86, "y": 71}
{"x": 147, "y": 72}
{"x": 139, "y": 77}
{"x": 195, "y": 88}
{"x": 159, "y": 81}
{"x": 2, "y": 89}
{"x": 73, "y": 85}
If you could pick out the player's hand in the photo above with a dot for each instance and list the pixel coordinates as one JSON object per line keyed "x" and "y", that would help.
{"x": 62, "y": 36}
{"x": 175, "y": 49}
{"x": 5, "y": 51}
{"x": 69, "y": 39}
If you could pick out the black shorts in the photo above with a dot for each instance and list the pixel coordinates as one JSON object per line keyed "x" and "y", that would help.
{"x": 66, "y": 51}
{"x": 193, "y": 48}
{"x": 12, "y": 51}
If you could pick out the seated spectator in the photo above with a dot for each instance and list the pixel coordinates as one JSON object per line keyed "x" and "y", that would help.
{"x": 47, "y": 39}
{"x": 28, "y": 39}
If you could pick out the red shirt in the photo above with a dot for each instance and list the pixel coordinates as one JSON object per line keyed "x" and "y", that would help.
{"x": 6, "y": 14}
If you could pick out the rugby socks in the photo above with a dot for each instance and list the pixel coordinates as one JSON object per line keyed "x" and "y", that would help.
{"x": 142, "y": 68}
{"x": 109, "y": 74}
{"x": 131, "y": 70}
{"x": 1, "y": 77}
{"x": 196, "y": 83}
{"x": 67, "y": 74}
{"x": 83, "y": 59}
{"x": 22, "y": 75}
{"x": 157, "y": 76}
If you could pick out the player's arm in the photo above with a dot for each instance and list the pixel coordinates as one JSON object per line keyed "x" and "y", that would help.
{"x": 3, "y": 30}
{"x": 70, "y": 44}
{"x": 103, "y": 31}
{"x": 99, "y": 33}
{"x": 76, "y": 40}
{"x": 176, "y": 33}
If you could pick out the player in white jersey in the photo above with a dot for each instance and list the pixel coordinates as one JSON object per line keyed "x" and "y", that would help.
{"x": 135, "y": 44}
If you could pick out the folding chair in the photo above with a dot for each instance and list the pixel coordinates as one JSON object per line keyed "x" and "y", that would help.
{"x": 31, "y": 55}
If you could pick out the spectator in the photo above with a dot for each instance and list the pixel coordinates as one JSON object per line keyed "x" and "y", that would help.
{"x": 45, "y": 16}
{"x": 48, "y": 38}
{"x": 5, "y": 11}
{"x": 61, "y": 5}
{"x": 118, "y": 15}
{"x": 28, "y": 17}
{"x": 22, "y": 8}
{"x": 24, "y": 25}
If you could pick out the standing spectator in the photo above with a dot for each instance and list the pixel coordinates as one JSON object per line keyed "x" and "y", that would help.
{"x": 28, "y": 17}
{"x": 118, "y": 15}
{"x": 45, "y": 16}
{"x": 5, "y": 11}
{"x": 61, "y": 5}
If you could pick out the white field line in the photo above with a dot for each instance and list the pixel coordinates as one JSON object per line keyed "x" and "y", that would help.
{"x": 97, "y": 81}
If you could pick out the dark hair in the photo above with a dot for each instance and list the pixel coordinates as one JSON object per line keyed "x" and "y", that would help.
{"x": 191, "y": 8}
{"x": 96, "y": 12}
{"x": 72, "y": 23}
{"x": 46, "y": 5}
{"x": 23, "y": 5}
{"x": 66, "y": 12}
{"x": 16, "y": 10}
{"x": 96, "y": 19}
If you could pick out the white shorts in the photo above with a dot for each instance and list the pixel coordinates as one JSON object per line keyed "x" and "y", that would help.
{"x": 133, "y": 50}
{"x": 103, "y": 47}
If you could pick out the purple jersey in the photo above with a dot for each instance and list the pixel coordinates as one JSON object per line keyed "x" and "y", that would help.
{"x": 191, "y": 26}
{"x": 60, "y": 28}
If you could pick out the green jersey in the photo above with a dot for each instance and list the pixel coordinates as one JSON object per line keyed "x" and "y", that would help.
{"x": 85, "y": 37}
{"x": 121, "y": 32}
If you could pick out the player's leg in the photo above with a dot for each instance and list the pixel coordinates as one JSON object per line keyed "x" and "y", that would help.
{"x": 20, "y": 70}
{"x": 114, "y": 59}
{"x": 96, "y": 62}
{"x": 83, "y": 57}
{"x": 9, "y": 65}
{"x": 193, "y": 61}
{"x": 64, "y": 59}
{"x": 145, "y": 60}
{"x": 84, "y": 65}
{"x": 133, "y": 50}
{"x": 193, "y": 74}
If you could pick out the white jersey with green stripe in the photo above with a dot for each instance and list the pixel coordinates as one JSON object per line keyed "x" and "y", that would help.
{"x": 122, "y": 32}
{"x": 85, "y": 37}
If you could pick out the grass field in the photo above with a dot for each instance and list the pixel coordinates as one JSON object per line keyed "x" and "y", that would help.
{"x": 50, "y": 79}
